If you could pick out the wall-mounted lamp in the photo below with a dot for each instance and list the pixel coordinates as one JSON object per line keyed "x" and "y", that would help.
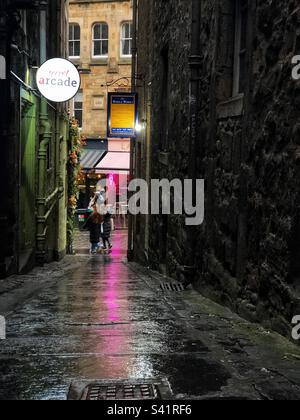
{"x": 140, "y": 126}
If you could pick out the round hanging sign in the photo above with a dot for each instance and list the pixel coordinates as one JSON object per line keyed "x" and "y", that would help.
{"x": 58, "y": 80}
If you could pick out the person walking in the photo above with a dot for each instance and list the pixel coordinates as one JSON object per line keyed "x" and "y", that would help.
{"x": 93, "y": 224}
{"x": 106, "y": 229}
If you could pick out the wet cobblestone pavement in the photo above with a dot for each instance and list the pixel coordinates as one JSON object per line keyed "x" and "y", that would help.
{"x": 105, "y": 319}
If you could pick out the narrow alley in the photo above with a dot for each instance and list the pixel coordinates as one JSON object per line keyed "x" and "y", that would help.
{"x": 149, "y": 201}
{"x": 106, "y": 319}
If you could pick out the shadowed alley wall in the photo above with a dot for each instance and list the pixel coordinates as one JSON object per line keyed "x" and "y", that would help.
{"x": 248, "y": 249}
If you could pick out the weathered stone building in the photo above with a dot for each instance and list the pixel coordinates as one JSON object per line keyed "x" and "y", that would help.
{"x": 100, "y": 45}
{"x": 34, "y": 136}
{"x": 236, "y": 55}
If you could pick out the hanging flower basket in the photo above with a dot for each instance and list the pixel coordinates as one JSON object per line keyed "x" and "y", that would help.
{"x": 76, "y": 144}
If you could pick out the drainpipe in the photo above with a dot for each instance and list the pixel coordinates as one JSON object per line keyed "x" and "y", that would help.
{"x": 45, "y": 137}
{"x": 130, "y": 253}
{"x": 134, "y": 45}
{"x": 187, "y": 272}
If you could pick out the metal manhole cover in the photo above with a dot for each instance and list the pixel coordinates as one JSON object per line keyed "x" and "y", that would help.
{"x": 121, "y": 390}
{"x": 172, "y": 287}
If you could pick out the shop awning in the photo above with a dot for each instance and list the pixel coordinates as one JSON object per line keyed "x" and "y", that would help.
{"x": 92, "y": 154}
{"x": 91, "y": 158}
{"x": 115, "y": 161}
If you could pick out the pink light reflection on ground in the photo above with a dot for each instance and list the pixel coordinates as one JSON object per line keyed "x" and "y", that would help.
{"x": 111, "y": 303}
{"x": 112, "y": 292}
{"x": 118, "y": 244}
{"x": 114, "y": 297}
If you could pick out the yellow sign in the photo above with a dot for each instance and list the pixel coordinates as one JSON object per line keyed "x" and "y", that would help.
{"x": 122, "y": 115}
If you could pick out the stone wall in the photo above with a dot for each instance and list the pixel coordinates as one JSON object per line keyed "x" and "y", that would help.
{"x": 251, "y": 232}
{"x": 248, "y": 249}
{"x": 166, "y": 80}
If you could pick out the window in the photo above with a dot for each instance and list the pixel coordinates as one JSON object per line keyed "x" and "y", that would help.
{"x": 165, "y": 99}
{"x": 74, "y": 40}
{"x": 100, "y": 40}
{"x": 126, "y": 39}
{"x": 2, "y": 67}
{"x": 240, "y": 48}
{"x": 78, "y": 108}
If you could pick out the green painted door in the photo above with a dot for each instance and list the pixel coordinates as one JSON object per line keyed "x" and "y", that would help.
{"x": 27, "y": 179}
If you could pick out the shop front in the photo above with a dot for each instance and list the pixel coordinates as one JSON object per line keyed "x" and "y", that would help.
{"x": 105, "y": 162}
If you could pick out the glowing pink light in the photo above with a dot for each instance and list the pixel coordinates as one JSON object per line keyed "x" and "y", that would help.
{"x": 111, "y": 179}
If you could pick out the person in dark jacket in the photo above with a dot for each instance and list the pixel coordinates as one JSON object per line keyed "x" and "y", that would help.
{"x": 106, "y": 229}
{"x": 93, "y": 224}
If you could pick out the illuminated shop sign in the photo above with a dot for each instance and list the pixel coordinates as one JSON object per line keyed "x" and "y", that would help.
{"x": 122, "y": 115}
{"x": 58, "y": 80}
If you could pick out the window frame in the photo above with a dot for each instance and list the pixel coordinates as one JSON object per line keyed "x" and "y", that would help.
{"x": 101, "y": 40}
{"x": 76, "y": 109}
{"x": 74, "y": 40}
{"x": 123, "y": 39}
{"x": 240, "y": 7}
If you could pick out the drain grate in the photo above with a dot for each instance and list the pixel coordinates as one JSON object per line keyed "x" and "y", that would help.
{"x": 122, "y": 392}
{"x": 172, "y": 287}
